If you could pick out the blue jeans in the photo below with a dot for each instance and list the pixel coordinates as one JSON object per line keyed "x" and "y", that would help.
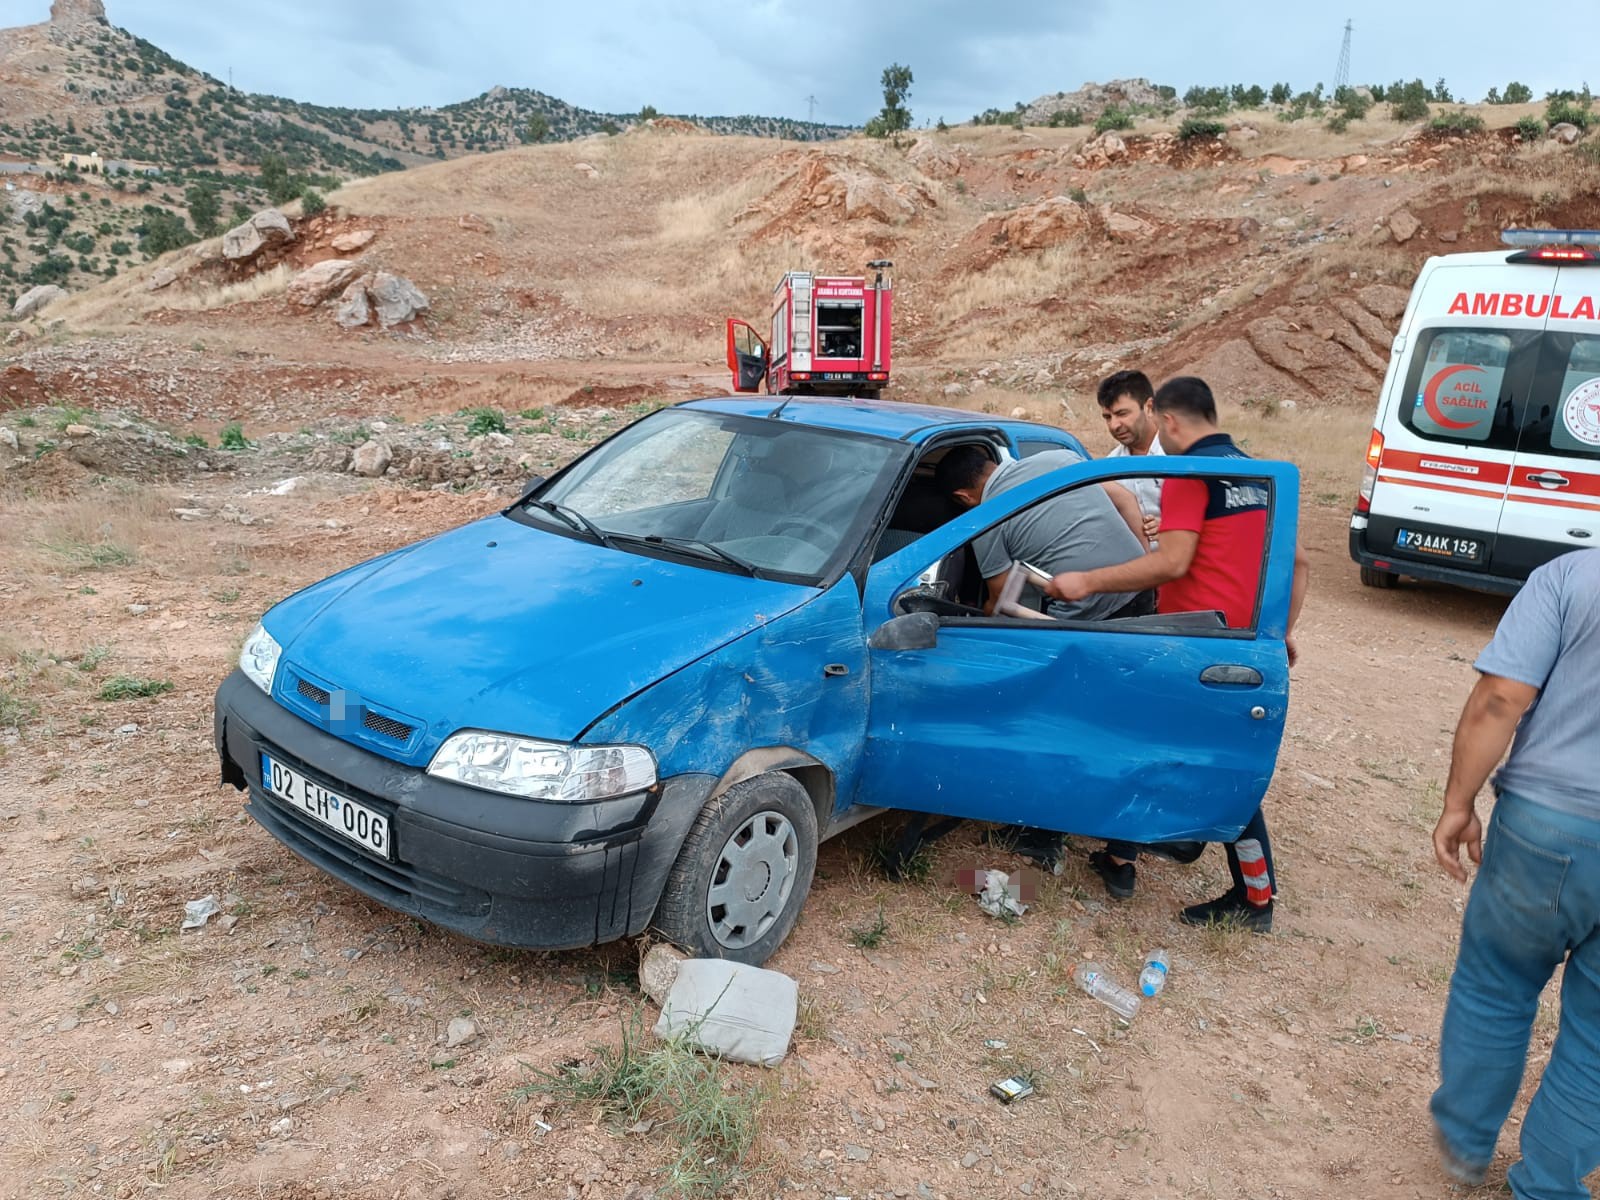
{"x": 1535, "y": 903}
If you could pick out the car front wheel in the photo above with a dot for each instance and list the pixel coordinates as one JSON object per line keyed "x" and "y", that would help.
{"x": 743, "y": 872}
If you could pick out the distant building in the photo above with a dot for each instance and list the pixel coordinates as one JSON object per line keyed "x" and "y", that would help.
{"x": 91, "y": 162}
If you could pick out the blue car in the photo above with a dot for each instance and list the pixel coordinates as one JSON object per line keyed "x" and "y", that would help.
{"x": 643, "y": 694}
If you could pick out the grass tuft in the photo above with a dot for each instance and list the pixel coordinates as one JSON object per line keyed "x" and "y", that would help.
{"x": 131, "y": 687}
{"x": 481, "y": 421}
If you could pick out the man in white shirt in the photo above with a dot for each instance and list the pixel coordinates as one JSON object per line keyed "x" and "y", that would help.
{"x": 1127, "y": 403}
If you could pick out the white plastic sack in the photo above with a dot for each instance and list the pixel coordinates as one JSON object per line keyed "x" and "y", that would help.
{"x": 732, "y": 1010}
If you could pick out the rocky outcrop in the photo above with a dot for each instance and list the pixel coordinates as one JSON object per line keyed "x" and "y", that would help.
{"x": 1092, "y": 99}
{"x": 371, "y": 459}
{"x": 349, "y": 243}
{"x": 383, "y": 297}
{"x": 1124, "y": 227}
{"x": 162, "y": 278}
{"x": 77, "y": 12}
{"x": 320, "y": 281}
{"x": 937, "y": 161}
{"x": 269, "y": 227}
{"x": 1403, "y": 225}
{"x": 36, "y": 298}
{"x": 1036, "y": 226}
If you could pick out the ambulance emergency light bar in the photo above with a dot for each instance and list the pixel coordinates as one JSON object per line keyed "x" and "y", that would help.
{"x": 1553, "y": 245}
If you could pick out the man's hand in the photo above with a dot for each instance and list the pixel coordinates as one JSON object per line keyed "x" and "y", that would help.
{"x": 1292, "y": 648}
{"x": 1152, "y": 526}
{"x": 1455, "y": 828}
{"x": 1069, "y": 585}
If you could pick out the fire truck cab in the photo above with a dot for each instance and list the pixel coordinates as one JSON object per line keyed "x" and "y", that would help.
{"x": 829, "y": 336}
{"x": 1484, "y": 460}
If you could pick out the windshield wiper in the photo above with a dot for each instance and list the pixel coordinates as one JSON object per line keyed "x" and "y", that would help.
{"x": 697, "y": 547}
{"x": 573, "y": 518}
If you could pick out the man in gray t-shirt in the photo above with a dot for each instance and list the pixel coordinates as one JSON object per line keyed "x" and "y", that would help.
{"x": 1088, "y": 527}
{"x": 1535, "y": 904}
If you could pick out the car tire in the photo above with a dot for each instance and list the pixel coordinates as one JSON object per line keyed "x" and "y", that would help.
{"x": 1374, "y": 578}
{"x": 754, "y": 845}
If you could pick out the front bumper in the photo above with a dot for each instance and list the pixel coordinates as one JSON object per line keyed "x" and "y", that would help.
{"x": 496, "y": 868}
{"x": 1477, "y": 580}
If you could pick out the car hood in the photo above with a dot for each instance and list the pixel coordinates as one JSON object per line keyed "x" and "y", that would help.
{"x": 500, "y": 625}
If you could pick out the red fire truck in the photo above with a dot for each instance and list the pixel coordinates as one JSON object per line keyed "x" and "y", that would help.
{"x": 830, "y": 337}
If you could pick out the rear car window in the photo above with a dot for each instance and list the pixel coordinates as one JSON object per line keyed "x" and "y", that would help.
{"x": 1575, "y": 423}
{"x": 1457, "y": 389}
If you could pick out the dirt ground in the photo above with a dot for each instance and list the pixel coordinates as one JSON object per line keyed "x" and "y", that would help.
{"x": 294, "y": 1047}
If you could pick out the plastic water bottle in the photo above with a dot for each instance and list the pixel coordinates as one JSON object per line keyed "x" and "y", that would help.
{"x": 1154, "y": 976}
{"x": 1092, "y": 978}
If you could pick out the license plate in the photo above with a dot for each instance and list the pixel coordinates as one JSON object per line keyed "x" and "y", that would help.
{"x": 1439, "y": 545}
{"x": 350, "y": 820}
{"x": 838, "y": 375}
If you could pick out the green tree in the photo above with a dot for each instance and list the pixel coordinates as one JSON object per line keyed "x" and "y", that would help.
{"x": 275, "y": 180}
{"x": 1441, "y": 92}
{"x": 1280, "y": 93}
{"x": 312, "y": 202}
{"x": 894, "y": 117}
{"x": 537, "y": 128}
{"x": 1409, "y": 101}
{"x": 1518, "y": 93}
{"x": 205, "y": 208}
{"x": 162, "y": 231}
{"x": 648, "y": 113}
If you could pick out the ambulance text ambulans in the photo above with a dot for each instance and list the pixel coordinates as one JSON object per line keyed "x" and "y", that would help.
{"x": 1484, "y": 460}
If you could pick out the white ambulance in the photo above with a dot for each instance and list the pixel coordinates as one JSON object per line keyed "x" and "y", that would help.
{"x": 1484, "y": 460}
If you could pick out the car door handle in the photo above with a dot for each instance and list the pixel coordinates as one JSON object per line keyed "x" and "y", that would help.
{"x": 1231, "y": 674}
{"x": 1549, "y": 479}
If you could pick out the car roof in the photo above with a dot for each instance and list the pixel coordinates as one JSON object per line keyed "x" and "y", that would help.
{"x": 875, "y": 418}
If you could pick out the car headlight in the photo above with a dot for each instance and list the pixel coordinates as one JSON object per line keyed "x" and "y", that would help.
{"x": 259, "y": 658}
{"x": 517, "y": 766}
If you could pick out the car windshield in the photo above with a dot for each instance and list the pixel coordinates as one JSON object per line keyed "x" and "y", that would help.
{"x": 751, "y": 494}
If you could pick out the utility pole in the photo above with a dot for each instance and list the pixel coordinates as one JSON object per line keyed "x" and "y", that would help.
{"x": 812, "y": 115}
{"x": 1341, "y": 76}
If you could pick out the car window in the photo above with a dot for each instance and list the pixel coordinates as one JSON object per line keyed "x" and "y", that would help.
{"x": 1029, "y": 448}
{"x": 1469, "y": 386}
{"x": 1566, "y": 398}
{"x": 786, "y": 499}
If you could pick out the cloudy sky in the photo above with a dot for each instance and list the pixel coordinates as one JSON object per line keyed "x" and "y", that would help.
{"x": 771, "y": 56}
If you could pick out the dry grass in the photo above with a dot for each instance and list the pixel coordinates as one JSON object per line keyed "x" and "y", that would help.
{"x": 101, "y": 531}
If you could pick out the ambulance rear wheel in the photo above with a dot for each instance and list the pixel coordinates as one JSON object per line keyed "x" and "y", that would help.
{"x": 1375, "y": 578}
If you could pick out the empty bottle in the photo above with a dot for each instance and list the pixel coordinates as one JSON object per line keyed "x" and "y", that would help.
{"x": 1154, "y": 976}
{"x": 1092, "y": 978}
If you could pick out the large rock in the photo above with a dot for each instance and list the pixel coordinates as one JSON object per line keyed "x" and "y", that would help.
{"x": 269, "y": 227}
{"x": 349, "y": 243}
{"x": 371, "y": 459}
{"x": 163, "y": 277}
{"x": 868, "y": 196}
{"x": 320, "y": 281}
{"x": 1124, "y": 227}
{"x": 1047, "y": 223}
{"x": 1565, "y": 132}
{"x": 937, "y": 161}
{"x": 355, "y": 310}
{"x": 395, "y": 299}
{"x": 35, "y": 298}
{"x": 1403, "y": 225}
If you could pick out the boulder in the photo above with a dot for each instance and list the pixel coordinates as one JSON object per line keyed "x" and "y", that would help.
{"x": 1403, "y": 225}
{"x": 355, "y": 310}
{"x": 874, "y": 198}
{"x": 36, "y": 298}
{"x": 164, "y": 277}
{"x": 269, "y": 227}
{"x": 588, "y": 169}
{"x": 474, "y": 222}
{"x": 1247, "y": 227}
{"x": 349, "y": 243}
{"x": 1124, "y": 227}
{"x": 395, "y": 299}
{"x": 1047, "y": 223}
{"x": 371, "y": 459}
{"x": 1565, "y": 132}
{"x": 320, "y": 281}
{"x": 936, "y": 161}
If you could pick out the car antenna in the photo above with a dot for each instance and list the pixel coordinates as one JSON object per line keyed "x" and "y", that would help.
{"x": 780, "y": 407}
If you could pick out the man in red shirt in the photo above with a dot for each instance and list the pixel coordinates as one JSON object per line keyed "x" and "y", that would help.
{"x": 1212, "y": 543}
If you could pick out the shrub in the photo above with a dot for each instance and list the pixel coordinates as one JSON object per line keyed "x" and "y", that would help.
{"x": 1197, "y": 128}
{"x": 1563, "y": 108}
{"x": 312, "y": 202}
{"x": 1531, "y": 129}
{"x": 232, "y": 437}
{"x": 1069, "y": 118}
{"x": 1459, "y": 123}
{"x": 131, "y": 687}
{"x": 162, "y": 231}
{"x": 1113, "y": 118}
{"x": 1409, "y": 101}
{"x": 1517, "y": 93}
{"x": 484, "y": 420}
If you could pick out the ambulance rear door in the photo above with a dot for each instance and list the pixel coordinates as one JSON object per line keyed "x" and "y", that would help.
{"x": 1553, "y": 503}
{"x": 1450, "y": 432}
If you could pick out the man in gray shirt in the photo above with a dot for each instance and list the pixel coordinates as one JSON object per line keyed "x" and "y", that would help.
{"x": 1088, "y": 527}
{"x": 1536, "y": 901}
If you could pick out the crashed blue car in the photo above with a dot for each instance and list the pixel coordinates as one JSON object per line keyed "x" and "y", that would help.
{"x": 642, "y": 695}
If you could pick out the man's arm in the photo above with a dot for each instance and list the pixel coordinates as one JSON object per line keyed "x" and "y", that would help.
{"x": 1297, "y": 597}
{"x": 1167, "y": 562}
{"x": 1128, "y": 507}
{"x": 1485, "y": 730}
{"x": 994, "y": 583}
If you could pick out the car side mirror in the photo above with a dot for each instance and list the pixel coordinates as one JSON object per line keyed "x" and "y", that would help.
{"x": 529, "y": 488}
{"x": 913, "y": 631}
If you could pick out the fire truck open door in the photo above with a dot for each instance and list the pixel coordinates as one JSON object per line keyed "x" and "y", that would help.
{"x": 747, "y": 356}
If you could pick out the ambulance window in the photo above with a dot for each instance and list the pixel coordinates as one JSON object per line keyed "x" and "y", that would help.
{"x": 1454, "y": 390}
{"x": 1575, "y": 406}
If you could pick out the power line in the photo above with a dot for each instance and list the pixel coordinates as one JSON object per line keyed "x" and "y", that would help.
{"x": 1341, "y": 76}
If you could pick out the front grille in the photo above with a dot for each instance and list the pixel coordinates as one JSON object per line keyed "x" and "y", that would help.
{"x": 312, "y": 692}
{"x": 387, "y": 726}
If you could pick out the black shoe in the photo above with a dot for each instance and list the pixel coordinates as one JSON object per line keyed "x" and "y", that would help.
{"x": 1119, "y": 877}
{"x": 1178, "y": 852}
{"x": 1230, "y": 908}
{"x": 1454, "y": 1165}
{"x": 1043, "y": 847}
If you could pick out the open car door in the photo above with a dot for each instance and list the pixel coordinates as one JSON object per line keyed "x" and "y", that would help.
{"x": 747, "y": 356}
{"x": 1147, "y": 729}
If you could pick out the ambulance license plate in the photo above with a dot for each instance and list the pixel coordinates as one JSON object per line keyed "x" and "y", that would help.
{"x": 352, "y": 821}
{"x": 1439, "y": 545}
